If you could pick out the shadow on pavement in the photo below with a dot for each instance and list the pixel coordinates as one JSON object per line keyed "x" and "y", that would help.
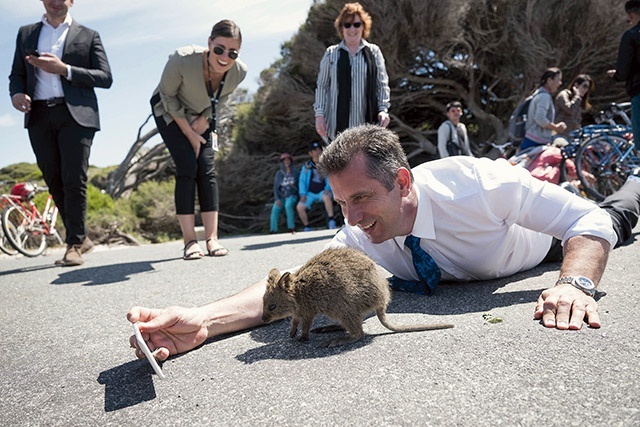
{"x": 284, "y": 242}
{"x": 106, "y": 274}
{"x": 280, "y": 347}
{"x": 127, "y": 385}
{"x": 27, "y": 269}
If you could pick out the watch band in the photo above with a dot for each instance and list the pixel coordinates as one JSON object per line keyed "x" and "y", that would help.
{"x": 582, "y": 283}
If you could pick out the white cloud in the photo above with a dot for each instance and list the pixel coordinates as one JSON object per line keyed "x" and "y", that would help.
{"x": 7, "y": 121}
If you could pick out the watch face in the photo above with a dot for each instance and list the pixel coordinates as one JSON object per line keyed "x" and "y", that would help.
{"x": 585, "y": 283}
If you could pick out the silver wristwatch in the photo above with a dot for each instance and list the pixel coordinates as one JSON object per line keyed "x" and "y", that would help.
{"x": 585, "y": 284}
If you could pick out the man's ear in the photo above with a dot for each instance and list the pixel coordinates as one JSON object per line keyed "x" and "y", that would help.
{"x": 403, "y": 179}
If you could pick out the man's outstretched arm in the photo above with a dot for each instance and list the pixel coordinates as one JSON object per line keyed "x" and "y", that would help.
{"x": 564, "y": 306}
{"x": 175, "y": 330}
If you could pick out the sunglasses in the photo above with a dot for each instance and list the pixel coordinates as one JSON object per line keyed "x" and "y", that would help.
{"x": 231, "y": 53}
{"x": 585, "y": 85}
{"x": 355, "y": 24}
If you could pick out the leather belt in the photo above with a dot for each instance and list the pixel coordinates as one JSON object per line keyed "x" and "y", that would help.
{"x": 51, "y": 102}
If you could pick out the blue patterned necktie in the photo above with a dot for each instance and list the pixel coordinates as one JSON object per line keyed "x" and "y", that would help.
{"x": 425, "y": 266}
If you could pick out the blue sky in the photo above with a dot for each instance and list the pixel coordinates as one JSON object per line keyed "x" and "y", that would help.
{"x": 138, "y": 36}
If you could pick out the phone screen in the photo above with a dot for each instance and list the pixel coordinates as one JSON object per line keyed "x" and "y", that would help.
{"x": 147, "y": 352}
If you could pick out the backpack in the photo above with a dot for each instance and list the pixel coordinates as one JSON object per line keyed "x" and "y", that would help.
{"x": 452, "y": 148}
{"x": 518, "y": 121}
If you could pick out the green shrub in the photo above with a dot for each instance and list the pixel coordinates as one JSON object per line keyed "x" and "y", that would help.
{"x": 153, "y": 204}
{"x": 103, "y": 213}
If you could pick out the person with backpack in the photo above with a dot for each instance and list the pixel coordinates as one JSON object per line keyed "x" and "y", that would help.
{"x": 452, "y": 134}
{"x": 540, "y": 125}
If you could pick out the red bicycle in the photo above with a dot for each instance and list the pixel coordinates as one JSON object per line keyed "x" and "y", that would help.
{"x": 25, "y": 228}
{"x": 6, "y": 200}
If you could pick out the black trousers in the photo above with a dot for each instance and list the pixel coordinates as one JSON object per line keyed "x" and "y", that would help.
{"x": 62, "y": 148}
{"x": 624, "y": 208}
{"x": 191, "y": 173}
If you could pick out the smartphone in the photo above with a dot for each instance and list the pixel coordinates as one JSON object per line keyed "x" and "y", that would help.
{"x": 147, "y": 352}
{"x": 32, "y": 52}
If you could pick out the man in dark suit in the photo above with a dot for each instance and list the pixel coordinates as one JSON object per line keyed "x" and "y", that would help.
{"x": 57, "y": 65}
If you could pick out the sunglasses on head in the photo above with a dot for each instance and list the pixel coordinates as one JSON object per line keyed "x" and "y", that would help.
{"x": 355, "y": 24}
{"x": 231, "y": 53}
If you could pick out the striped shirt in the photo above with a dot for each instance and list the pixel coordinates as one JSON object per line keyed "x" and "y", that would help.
{"x": 326, "y": 102}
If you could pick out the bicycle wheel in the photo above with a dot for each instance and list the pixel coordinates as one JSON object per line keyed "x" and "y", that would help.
{"x": 5, "y": 245}
{"x": 23, "y": 234}
{"x": 598, "y": 165}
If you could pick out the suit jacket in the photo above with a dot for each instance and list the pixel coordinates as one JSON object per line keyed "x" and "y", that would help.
{"x": 84, "y": 52}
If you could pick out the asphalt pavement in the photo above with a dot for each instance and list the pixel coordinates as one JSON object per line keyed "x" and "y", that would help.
{"x": 65, "y": 358}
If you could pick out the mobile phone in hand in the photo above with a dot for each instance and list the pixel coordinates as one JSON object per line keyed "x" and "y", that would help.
{"x": 147, "y": 352}
{"x": 32, "y": 52}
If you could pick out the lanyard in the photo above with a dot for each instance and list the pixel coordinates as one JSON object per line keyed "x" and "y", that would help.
{"x": 214, "y": 100}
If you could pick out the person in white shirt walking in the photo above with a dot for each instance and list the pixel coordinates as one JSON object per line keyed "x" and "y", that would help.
{"x": 471, "y": 219}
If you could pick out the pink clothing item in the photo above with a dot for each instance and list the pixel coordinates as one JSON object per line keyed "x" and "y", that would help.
{"x": 546, "y": 166}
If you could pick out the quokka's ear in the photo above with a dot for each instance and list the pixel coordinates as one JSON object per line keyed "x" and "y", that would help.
{"x": 286, "y": 282}
{"x": 273, "y": 277}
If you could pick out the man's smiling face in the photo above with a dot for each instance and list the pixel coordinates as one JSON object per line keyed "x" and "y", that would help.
{"x": 381, "y": 213}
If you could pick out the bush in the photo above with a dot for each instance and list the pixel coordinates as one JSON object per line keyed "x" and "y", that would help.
{"x": 104, "y": 214}
{"x": 20, "y": 172}
{"x": 153, "y": 204}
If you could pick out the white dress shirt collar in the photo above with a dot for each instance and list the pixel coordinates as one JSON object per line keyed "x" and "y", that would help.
{"x": 423, "y": 227}
{"x": 67, "y": 21}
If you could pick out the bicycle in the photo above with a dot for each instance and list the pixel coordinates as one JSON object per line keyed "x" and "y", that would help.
{"x": 6, "y": 200}
{"x": 603, "y": 153}
{"x": 24, "y": 226}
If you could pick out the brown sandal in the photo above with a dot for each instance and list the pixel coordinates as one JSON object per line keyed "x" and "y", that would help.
{"x": 188, "y": 256}
{"x": 217, "y": 252}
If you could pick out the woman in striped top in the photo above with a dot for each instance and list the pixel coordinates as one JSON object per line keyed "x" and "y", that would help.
{"x": 353, "y": 86}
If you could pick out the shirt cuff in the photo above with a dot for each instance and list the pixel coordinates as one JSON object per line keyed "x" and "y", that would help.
{"x": 68, "y": 76}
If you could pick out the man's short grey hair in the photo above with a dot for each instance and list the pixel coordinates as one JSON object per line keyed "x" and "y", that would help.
{"x": 381, "y": 148}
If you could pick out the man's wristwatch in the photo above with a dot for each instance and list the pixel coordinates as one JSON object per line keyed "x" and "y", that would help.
{"x": 585, "y": 284}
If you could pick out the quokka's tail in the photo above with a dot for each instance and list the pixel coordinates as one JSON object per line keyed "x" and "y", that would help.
{"x": 382, "y": 316}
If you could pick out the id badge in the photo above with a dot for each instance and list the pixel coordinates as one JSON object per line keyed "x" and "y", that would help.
{"x": 214, "y": 141}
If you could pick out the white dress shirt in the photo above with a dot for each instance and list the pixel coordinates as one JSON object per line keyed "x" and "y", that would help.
{"x": 481, "y": 219}
{"x": 51, "y": 40}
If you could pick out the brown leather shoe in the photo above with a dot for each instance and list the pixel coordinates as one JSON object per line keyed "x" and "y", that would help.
{"x": 71, "y": 257}
{"x": 87, "y": 245}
